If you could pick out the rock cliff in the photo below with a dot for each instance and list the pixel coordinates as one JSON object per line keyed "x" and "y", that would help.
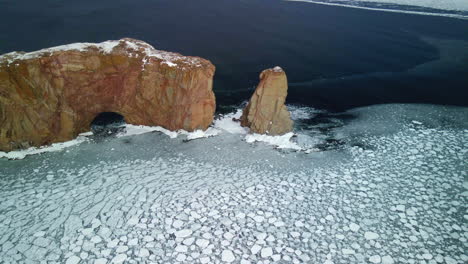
{"x": 52, "y": 95}
{"x": 266, "y": 112}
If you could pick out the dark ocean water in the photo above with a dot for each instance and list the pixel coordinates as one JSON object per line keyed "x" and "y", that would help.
{"x": 335, "y": 57}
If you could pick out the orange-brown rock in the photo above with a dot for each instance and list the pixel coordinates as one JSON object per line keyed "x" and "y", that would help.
{"x": 266, "y": 112}
{"x": 53, "y": 95}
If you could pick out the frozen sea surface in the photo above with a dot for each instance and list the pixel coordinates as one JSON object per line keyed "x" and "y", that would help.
{"x": 393, "y": 190}
{"x": 436, "y": 4}
{"x": 450, "y": 8}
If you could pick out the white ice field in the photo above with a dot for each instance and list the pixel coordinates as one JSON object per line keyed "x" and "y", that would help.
{"x": 461, "y": 5}
{"x": 450, "y": 8}
{"x": 385, "y": 184}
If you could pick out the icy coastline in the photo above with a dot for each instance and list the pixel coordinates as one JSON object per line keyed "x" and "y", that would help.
{"x": 222, "y": 124}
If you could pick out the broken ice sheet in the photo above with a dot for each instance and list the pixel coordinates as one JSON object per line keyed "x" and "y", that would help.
{"x": 399, "y": 199}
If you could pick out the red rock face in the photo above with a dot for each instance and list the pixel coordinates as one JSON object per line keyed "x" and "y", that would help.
{"x": 53, "y": 95}
{"x": 266, "y": 112}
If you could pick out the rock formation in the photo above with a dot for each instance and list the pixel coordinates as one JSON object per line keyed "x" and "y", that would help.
{"x": 266, "y": 112}
{"x": 53, "y": 95}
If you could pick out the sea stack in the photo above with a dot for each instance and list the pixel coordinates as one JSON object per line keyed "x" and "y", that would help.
{"x": 52, "y": 95}
{"x": 266, "y": 112}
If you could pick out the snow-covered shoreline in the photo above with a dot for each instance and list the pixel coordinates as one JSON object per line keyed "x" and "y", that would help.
{"x": 21, "y": 154}
{"x": 224, "y": 124}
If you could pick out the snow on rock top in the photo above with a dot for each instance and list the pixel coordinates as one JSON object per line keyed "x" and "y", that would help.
{"x": 277, "y": 69}
{"x": 132, "y": 46}
{"x": 105, "y": 47}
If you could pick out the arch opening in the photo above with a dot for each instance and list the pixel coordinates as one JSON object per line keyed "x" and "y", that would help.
{"x": 107, "y": 124}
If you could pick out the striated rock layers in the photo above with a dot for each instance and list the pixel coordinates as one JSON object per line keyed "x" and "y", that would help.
{"x": 266, "y": 112}
{"x": 53, "y": 95}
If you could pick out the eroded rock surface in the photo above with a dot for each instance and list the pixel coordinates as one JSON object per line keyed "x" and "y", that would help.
{"x": 52, "y": 95}
{"x": 266, "y": 112}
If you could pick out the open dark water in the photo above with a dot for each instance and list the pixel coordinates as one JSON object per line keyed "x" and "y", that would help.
{"x": 335, "y": 57}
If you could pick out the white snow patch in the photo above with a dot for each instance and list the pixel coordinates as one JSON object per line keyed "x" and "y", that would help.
{"x": 277, "y": 69}
{"x": 131, "y": 45}
{"x": 210, "y": 132}
{"x": 106, "y": 47}
{"x": 282, "y": 142}
{"x": 131, "y": 130}
{"x": 230, "y": 124}
{"x": 169, "y": 58}
{"x": 170, "y": 64}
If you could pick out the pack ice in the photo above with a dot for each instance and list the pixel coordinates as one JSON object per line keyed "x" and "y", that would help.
{"x": 393, "y": 191}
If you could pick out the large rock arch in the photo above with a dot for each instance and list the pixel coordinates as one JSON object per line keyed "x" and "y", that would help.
{"x": 52, "y": 95}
